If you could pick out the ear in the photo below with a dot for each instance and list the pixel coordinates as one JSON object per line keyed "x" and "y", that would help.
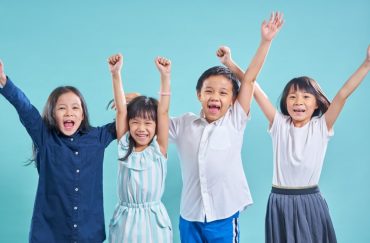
{"x": 199, "y": 96}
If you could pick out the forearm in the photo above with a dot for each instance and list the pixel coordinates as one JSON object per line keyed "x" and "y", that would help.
{"x": 164, "y": 95}
{"x": 119, "y": 95}
{"x": 235, "y": 69}
{"x": 28, "y": 114}
{"x": 354, "y": 81}
{"x": 257, "y": 62}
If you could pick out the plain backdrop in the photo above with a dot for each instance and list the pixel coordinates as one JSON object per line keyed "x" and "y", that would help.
{"x": 45, "y": 44}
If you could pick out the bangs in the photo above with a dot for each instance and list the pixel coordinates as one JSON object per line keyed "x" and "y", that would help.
{"x": 304, "y": 85}
{"x": 142, "y": 107}
{"x": 147, "y": 114}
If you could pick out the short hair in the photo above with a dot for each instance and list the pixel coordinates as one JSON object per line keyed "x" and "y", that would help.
{"x": 309, "y": 85}
{"x": 219, "y": 71}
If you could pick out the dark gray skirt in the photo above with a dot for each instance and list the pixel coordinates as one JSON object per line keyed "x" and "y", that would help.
{"x": 298, "y": 216}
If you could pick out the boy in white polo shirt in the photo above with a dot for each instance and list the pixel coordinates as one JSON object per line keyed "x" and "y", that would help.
{"x": 215, "y": 188}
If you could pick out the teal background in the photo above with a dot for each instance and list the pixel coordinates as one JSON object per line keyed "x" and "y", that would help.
{"x": 45, "y": 44}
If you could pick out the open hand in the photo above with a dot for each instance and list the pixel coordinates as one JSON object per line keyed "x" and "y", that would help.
{"x": 115, "y": 63}
{"x": 272, "y": 27}
{"x": 224, "y": 54}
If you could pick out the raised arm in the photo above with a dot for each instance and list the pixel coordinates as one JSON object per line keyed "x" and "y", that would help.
{"x": 2, "y": 75}
{"x": 268, "y": 32}
{"x": 164, "y": 68}
{"x": 347, "y": 89}
{"x": 115, "y": 65}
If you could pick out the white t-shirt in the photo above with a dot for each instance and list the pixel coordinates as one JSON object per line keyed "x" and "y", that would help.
{"x": 214, "y": 183}
{"x": 298, "y": 152}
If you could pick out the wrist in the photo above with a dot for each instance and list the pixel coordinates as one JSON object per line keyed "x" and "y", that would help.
{"x": 3, "y": 80}
{"x": 116, "y": 73}
{"x": 265, "y": 41}
{"x": 228, "y": 62}
{"x": 367, "y": 64}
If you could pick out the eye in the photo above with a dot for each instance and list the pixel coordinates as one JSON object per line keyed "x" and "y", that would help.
{"x": 207, "y": 91}
{"x": 291, "y": 97}
{"x": 223, "y": 93}
{"x": 61, "y": 108}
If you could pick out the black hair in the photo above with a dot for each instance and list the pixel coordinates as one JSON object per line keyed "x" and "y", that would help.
{"x": 48, "y": 114}
{"x": 309, "y": 85}
{"x": 222, "y": 71}
{"x": 143, "y": 107}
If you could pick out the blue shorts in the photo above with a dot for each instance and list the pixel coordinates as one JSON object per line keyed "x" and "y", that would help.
{"x": 219, "y": 231}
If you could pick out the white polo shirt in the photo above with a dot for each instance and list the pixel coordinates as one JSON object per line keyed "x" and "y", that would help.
{"x": 299, "y": 152}
{"x": 214, "y": 183}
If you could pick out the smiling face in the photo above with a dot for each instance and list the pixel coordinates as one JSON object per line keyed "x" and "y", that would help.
{"x": 142, "y": 130}
{"x": 300, "y": 106}
{"x": 68, "y": 113}
{"x": 216, "y": 96}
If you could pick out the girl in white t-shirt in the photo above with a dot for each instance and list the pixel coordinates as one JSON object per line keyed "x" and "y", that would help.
{"x": 296, "y": 210}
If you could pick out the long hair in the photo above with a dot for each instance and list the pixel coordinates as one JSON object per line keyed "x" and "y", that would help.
{"x": 143, "y": 107}
{"x": 309, "y": 85}
{"x": 48, "y": 114}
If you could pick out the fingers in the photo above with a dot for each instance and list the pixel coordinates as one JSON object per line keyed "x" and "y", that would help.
{"x": 163, "y": 61}
{"x": 222, "y": 51}
{"x": 115, "y": 59}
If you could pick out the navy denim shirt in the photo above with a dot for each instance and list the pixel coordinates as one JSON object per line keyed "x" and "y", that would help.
{"x": 69, "y": 198}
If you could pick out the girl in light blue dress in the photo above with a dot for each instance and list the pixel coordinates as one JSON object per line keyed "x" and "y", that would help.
{"x": 142, "y": 133}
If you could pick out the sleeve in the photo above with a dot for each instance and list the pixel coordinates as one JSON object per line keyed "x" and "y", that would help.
{"x": 173, "y": 129}
{"x": 324, "y": 128}
{"x": 239, "y": 117}
{"x": 279, "y": 119}
{"x": 108, "y": 133}
{"x": 123, "y": 145}
{"x": 28, "y": 114}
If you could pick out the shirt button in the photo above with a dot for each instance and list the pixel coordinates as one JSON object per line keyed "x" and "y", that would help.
{"x": 75, "y": 207}
{"x": 77, "y": 171}
{"x": 71, "y": 139}
{"x": 75, "y": 226}
{"x": 76, "y": 189}
{"x": 76, "y": 153}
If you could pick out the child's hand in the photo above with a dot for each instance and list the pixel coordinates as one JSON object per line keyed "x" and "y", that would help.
{"x": 271, "y": 28}
{"x": 115, "y": 63}
{"x": 164, "y": 65}
{"x": 2, "y": 74}
{"x": 224, "y": 54}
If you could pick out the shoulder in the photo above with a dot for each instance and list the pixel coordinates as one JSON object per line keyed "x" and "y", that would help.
{"x": 189, "y": 116}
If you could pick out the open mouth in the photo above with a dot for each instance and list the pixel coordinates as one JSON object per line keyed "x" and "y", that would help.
{"x": 299, "y": 110}
{"x": 214, "y": 108}
{"x": 68, "y": 124}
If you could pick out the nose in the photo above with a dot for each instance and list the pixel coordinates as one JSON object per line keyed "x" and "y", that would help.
{"x": 298, "y": 101}
{"x": 68, "y": 112}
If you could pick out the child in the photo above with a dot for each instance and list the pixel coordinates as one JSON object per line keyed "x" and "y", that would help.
{"x": 296, "y": 210}
{"x": 69, "y": 154}
{"x": 142, "y": 130}
{"x": 215, "y": 189}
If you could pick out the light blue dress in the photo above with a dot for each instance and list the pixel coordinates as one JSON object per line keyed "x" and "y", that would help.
{"x": 140, "y": 216}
